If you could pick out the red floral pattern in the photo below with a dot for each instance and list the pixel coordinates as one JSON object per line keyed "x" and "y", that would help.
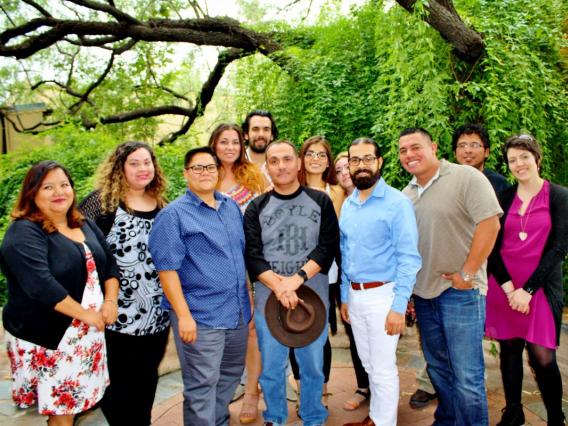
{"x": 70, "y": 379}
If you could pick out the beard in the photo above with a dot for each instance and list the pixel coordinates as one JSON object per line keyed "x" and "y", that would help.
{"x": 367, "y": 181}
{"x": 258, "y": 149}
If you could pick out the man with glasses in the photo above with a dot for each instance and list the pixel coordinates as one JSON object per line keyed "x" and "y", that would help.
{"x": 470, "y": 143}
{"x": 379, "y": 262}
{"x": 458, "y": 219}
{"x": 197, "y": 244}
{"x": 292, "y": 238}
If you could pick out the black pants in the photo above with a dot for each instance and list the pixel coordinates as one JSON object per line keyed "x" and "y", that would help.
{"x": 133, "y": 369}
{"x": 543, "y": 362}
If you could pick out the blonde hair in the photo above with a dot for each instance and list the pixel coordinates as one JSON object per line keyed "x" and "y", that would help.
{"x": 112, "y": 182}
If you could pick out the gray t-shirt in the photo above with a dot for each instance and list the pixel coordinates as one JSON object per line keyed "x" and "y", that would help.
{"x": 447, "y": 213}
{"x": 283, "y": 232}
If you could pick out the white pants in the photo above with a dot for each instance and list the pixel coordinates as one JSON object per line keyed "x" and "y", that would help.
{"x": 368, "y": 310}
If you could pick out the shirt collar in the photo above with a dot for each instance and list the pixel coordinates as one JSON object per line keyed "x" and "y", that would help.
{"x": 378, "y": 192}
{"x": 194, "y": 199}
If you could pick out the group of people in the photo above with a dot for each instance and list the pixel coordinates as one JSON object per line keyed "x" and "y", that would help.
{"x": 248, "y": 265}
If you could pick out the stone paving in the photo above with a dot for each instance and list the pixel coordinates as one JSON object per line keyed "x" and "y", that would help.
{"x": 168, "y": 405}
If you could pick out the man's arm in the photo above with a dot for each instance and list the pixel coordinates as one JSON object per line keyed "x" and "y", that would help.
{"x": 173, "y": 292}
{"x": 481, "y": 246}
{"x": 405, "y": 241}
{"x": 254, "y": 250}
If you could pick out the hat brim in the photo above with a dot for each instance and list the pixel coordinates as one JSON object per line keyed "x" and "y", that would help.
{"x": 274, "y": 310}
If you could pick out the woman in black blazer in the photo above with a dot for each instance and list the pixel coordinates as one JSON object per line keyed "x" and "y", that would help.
{"x": 62, "y": 290}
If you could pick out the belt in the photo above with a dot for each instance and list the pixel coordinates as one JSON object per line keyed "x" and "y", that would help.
{"x": 365, "y": 286}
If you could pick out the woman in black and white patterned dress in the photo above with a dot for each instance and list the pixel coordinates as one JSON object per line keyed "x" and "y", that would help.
{"x": 130, "y": 194}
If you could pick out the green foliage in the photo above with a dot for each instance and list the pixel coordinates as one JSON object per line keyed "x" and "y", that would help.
{"x": 328, "y": 91}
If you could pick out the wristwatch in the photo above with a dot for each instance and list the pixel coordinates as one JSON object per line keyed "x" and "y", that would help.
{"x": 468, "y": 278}
{"x": 302, "y": 275}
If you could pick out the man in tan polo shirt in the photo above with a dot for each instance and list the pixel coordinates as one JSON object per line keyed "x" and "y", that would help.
{"x": 458, "y": 219}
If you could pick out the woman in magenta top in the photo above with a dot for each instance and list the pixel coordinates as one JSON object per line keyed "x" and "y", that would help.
{"x": 524, "y": 300}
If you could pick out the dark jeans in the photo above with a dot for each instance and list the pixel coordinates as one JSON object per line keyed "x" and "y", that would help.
{"x": 451, "y": 330}
{"x": 133, "y": 369}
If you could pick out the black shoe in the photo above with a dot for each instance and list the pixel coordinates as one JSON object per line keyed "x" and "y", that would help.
{"x": 513, "y": 415}
{"x": 421, "y": 398}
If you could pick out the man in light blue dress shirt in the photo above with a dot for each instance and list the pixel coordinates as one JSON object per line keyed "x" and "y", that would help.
{"x": 379, "y": 263}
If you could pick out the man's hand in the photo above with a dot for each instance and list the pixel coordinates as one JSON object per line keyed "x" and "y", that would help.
{"x": 291, "y": 283}
{"x": 187, "y": 329}
{"x": 289, "y": 299}
{"x": 457, "y": 281}
{"x": 519, "y": 301}
{"x": 344, "y": 310}
{"x": 394, "y": 324}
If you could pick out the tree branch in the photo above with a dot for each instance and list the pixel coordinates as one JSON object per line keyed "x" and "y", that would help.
{"x": 73, "y": 109}
{"x": 443, "y": 17}
{"x": 117, "y": 14}
{"x": 39, "y": 8}
{"x": 207, "y": 31}
{"x": 207, "y": 91}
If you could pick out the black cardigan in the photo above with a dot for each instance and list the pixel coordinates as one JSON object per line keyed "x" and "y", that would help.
{"x": 42, "y": 269}
{"x": 548, "y": 273}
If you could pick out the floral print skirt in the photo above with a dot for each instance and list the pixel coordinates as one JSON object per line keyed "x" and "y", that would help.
{"x": 71, "y": 378}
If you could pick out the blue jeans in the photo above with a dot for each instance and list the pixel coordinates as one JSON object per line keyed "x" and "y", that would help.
{"x": 451, "y": 329}
{"x": 273, "y": 376}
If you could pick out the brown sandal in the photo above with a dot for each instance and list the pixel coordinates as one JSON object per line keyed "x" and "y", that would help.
{"x": 356, "y": 400}
{"x": 249, "y": 409}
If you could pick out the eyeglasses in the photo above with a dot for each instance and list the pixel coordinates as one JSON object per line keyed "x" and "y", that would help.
{"x": 472, "y": 145}
{"x": 340, "y": 170}
{"x": 199, "y": 168}
{"x": 314, "y": 155}
{"x": 367, "y": 160}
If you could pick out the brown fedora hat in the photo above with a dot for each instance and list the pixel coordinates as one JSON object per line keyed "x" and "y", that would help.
{"x": 296, "y": 327}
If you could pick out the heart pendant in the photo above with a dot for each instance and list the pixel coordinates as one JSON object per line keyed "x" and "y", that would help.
{"x": 523, "y": 236}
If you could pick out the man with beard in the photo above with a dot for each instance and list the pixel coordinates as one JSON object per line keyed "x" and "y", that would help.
{"x": 379, "y": 263}
{"x": 259, "y": 130}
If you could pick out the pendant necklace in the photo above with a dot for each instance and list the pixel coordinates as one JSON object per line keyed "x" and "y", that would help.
{"x": 522, "y": 234}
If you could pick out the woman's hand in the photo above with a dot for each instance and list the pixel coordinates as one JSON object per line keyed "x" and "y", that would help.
{"x": 93, "y": 319}
{"x": 187, "y": 328}
{"x": 109, "y": 311}
{"x": 519, "y": 301}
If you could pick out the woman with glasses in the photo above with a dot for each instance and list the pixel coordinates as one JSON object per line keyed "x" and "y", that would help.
{"x": 129, "y": 196}
{"x": 317, "y": 172}
{"x": 525, "y": 295}
{"x": 241, "y": 180}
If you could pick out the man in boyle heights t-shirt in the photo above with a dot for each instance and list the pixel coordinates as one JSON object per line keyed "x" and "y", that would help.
{"x": 292, "y": 237}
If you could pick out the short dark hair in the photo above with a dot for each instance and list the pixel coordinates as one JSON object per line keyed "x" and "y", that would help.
{"x": 365, "y": 141}
{"x": 261, "y": 113}
{"x": 471, "y": 129}
{"x": 201, "y": 150}
{"x": 526, "y": 143}
{"x": 283, "y": 142}
{"x": 413, "y": 130}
